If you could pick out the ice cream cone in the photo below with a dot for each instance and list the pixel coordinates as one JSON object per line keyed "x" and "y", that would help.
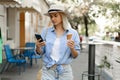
{"x": 69, "y": 36}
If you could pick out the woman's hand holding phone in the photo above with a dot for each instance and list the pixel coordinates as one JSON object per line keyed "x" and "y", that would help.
{"x": 39, "y": 43}
{"x": 39, "y": 37}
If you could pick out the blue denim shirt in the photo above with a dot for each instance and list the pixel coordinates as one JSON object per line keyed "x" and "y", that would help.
{"x": 66, "y": 57}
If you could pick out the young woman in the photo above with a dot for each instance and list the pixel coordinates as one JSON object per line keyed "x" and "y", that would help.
{"x": 58, "y": 50}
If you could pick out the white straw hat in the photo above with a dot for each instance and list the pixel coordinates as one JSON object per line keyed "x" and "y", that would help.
{"x": 56, "y": 8}
{"x": 60, "y": 8}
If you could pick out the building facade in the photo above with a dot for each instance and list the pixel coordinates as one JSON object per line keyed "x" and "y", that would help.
{"x": 21, "y": 19}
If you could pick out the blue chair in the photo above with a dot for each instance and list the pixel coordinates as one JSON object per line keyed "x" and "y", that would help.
{"x": 31, "y": 53}
{"x": 13, "y": 58}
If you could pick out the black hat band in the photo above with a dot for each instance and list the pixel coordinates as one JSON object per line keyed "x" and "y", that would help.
{"x": 54, "y": 10}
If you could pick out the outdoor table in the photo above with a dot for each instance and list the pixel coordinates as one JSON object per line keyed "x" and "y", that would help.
{"x": 20, "y": 51}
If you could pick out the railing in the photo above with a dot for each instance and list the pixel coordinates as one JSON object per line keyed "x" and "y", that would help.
{"x": 108, "y": 52}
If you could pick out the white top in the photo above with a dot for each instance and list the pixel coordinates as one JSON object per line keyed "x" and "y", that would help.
{"x": 55, "y": 50}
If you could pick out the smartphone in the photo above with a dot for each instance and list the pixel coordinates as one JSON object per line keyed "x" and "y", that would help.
{"x": 38, "y": 36}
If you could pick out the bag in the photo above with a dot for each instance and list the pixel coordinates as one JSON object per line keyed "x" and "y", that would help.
{"x": 39, "y": 74}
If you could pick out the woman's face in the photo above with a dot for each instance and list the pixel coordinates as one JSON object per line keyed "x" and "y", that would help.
{"x": 56, "y": 18}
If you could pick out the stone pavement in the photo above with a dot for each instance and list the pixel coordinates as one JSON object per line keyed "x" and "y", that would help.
{"x": 80, "y": 64}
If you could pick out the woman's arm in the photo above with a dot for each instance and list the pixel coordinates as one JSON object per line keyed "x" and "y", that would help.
{"x": 74, "y": 52}
{"x": 71, "y": 45}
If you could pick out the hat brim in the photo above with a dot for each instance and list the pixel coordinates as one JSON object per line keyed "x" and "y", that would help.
{"x": 47, "y": 14}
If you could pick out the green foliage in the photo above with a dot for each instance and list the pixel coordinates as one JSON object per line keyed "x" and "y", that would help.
{"x": 63, "y": 1}
{"x": 104, "y": 63}
{"x": 111, "y": 11}
{"x": 78, "y": 20}
{"x": 92, "y": 28}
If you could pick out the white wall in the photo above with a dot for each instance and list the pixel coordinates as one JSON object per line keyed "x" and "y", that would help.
{"x": 44, "y": 19}
{"x": 13, "y": 26}
{"x": 111, "y": 50}
{"x": 30, "y": 19}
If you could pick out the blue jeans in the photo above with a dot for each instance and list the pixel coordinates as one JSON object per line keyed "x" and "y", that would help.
{"x": 51, "y": 74}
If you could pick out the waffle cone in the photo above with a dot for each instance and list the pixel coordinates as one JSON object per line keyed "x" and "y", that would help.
{"x": 69, "y": 36}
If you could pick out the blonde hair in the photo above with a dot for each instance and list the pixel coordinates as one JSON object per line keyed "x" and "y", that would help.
{"x": 66, "y": 23}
